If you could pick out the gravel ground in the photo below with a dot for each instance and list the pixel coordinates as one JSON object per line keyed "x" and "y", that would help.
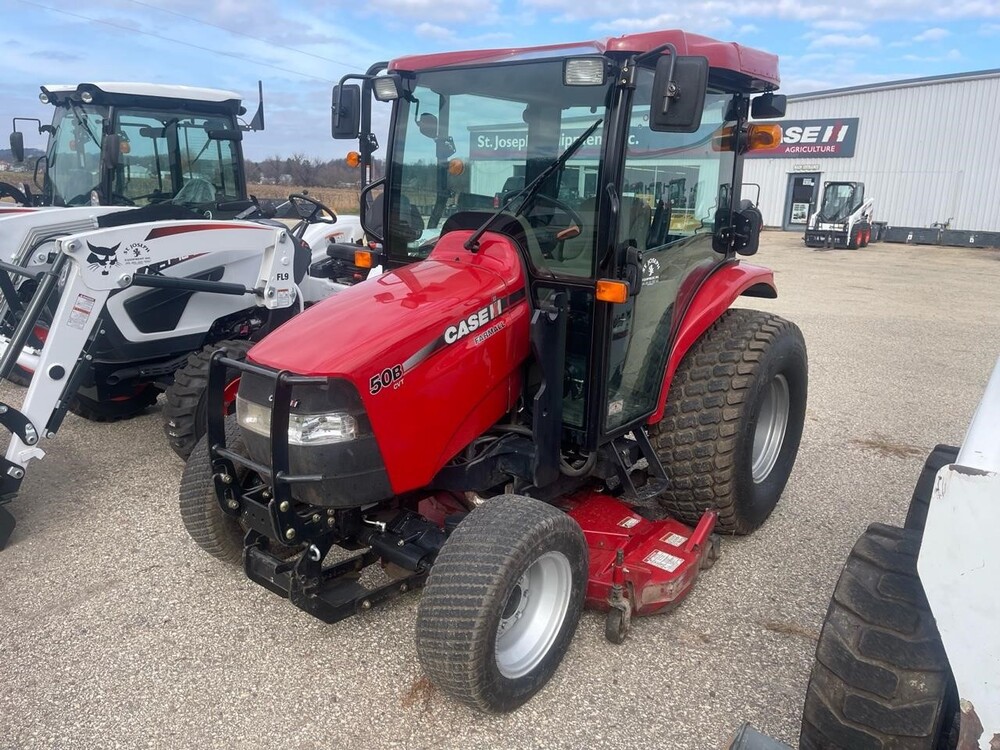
{"x": 116, "y": 631}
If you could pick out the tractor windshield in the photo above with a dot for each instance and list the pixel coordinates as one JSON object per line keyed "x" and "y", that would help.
{"x": 466, "y": 140}
{"x": 74, "y": 154}
{"x": 185, "y": 159}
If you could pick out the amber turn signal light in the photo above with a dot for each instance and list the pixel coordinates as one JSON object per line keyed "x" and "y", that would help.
{"x": 362, "y": 259}
{"x": 353, "y": 159}
{"x": 456, "y": 167}
{"x": 609, "y": 290}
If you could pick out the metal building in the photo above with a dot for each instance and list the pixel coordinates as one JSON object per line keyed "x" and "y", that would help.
{"x": 925, "y": 148}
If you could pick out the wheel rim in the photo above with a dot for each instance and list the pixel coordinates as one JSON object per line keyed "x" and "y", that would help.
{"x": 769, "y": 434}
{"x": 533, "y": 614}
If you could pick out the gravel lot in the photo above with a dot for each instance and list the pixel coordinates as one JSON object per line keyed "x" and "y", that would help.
{"x": 116, "y": 631}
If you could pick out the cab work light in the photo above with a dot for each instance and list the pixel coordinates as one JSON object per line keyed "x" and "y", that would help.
{"x": 584, "y": 71}
{"x": 386, "y": 88}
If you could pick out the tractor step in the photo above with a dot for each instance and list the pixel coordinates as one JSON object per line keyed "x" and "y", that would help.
{"x": 331, "y": 594}
{"x": 656, "y": 562}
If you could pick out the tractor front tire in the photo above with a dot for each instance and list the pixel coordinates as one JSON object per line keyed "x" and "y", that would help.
{"x": 881, "y": 677}
{"x": 502, "y": 603}
{"x": 733, "y": 421}
{"x": 114, "y": 410}
{"x": 218, "y": 534}
{"x": 185, "y": 412}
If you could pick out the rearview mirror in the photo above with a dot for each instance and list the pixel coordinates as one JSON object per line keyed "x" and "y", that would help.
{"x": 17, "y": 145}
{"x": 346, "y": 111}
{"x": 768, "y": 106}
{"x": 679, "y": 88}
{"x": 225, "y": 134}
{"x": 111, "y": 150}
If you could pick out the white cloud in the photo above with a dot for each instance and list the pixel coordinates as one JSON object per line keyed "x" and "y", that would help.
{"x": 989, "y": 29}
{"x": 450, "y": 11}
{"x": 950, "y": 55}
{"x": 838, "y": 25}
{"x": 932, "y": 35}
{"x": 843, "y": 40}
{"x": 433, "y": 31}
{"x": 642, "y": 22}
{"x": 747, "y": 28}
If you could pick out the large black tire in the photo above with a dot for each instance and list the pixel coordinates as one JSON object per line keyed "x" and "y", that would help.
{"x": 881, "y": 677}
{"x": 477, "y": 578}
{"x": 916, "y": 514}
{"x": 114, "y": 410}
{"x": 185, "y": 417}
{"x": 218, "y": 534}
{"x": 706, "y": 437}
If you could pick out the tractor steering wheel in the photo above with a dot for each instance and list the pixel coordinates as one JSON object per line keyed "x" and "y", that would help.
{"x": 9, "y": 191}
{"x": 318, "y": 214}
{"x": 553, "y": 234}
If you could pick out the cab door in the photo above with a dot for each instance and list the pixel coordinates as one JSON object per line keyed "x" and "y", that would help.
{"x": 675, "y": 195}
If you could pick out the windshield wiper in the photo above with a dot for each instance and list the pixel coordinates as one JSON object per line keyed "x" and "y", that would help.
{"x": 529, "y": 190}
{"x": 82, "y": 121}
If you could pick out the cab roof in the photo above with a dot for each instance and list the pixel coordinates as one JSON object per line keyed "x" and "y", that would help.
{"x": 149, "y": 93}
{"x": 759, "y": 69}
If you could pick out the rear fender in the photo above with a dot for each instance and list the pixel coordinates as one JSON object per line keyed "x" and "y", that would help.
{"x": 713, "y": 298}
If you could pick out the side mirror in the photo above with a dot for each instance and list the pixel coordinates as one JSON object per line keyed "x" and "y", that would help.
{"x": 17, "y": 145}
{"x": 679, "y": 88}
{"x": 768, "y": 106}
{"x": 111, "y": 150}
{"x": 747, "y": 224}
{"x": 346, "y": 111}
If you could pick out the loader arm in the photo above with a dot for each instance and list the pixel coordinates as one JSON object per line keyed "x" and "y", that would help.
{"x": 90, "y": 267}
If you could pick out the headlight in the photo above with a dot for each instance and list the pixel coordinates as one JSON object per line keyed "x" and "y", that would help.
{"x": 303, "y": 429}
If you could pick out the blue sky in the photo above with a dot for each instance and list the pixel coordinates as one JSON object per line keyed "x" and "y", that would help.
{"x": 300, "y": 47}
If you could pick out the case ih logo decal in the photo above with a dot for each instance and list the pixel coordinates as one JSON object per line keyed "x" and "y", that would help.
{"x": 474, "y": 322}
{"x": 828, "y": 138}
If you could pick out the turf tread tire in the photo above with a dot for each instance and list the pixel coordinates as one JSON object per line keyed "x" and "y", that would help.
{"x": 218, "y": 534}
{"x": 702, "y": 439}
{"x": 184, "y": 413}
{"x": 881, "y": 677}
{"x": 459, "y": 611}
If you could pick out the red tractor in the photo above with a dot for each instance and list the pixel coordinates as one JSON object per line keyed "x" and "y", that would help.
{"x": 504, "y": 416}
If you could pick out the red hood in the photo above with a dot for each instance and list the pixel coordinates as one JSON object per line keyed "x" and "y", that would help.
{"x": 395, "y": 315}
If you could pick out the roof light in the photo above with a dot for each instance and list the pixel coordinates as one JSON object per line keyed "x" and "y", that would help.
{"x": 86, "y": 97}
{"x": 43, "y": 98}
{"x": 386, "y": 88}
{"x": 584, "y": 71}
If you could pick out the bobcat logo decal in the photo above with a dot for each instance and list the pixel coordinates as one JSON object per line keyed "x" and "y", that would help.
{"x": 103, "y": 257}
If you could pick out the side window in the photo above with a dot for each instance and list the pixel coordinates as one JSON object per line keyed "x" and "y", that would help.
{"x": 74, "y": 168}
{"x": 144, "y": 174}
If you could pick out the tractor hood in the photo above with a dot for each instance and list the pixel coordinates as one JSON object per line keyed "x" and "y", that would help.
{"x": 434, "y": 350}
{"x": 414, "y": 310}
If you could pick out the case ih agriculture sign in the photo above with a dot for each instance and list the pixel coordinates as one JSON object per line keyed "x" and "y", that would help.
{"x": 811, "y": 138}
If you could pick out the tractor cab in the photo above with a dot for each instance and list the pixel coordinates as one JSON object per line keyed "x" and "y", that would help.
{"x": 548, "y": 358}
{"x": 132, "y": 144}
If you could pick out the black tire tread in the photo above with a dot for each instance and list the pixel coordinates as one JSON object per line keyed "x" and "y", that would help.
{"x": 881, "y": 677}
{"x": 697, "y": 438}
{"x": 114, "y": 411}
{"x": 452, "y": 635}
{"x": 218, "y": 534}
{"x": 916, "y": 514}
{"x": 183, "y": 398}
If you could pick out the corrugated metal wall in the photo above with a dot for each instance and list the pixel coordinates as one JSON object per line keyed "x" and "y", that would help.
{"x": 925, "y": 153}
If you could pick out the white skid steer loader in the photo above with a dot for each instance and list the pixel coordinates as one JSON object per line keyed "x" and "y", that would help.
{"x": 124, "y": 307}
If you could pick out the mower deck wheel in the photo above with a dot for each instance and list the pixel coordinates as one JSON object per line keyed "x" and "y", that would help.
{"x": 502, "y": 602}
{"x": 881, "y": 677}
{"x": 617, "y": 623}
{"x": 735, "y": 411}
{"x": 185, "y": 417}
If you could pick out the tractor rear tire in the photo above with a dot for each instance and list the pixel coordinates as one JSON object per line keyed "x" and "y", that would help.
{"x": 185, "y": 416}
{"x": 916, "y": 514}
{"x": 218, "y": 534}
{"x": 881, "y": 676}
{"x": 502, "y": 603}
{"x": 114, "y": 410}
{"x": 733, "y": 421}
